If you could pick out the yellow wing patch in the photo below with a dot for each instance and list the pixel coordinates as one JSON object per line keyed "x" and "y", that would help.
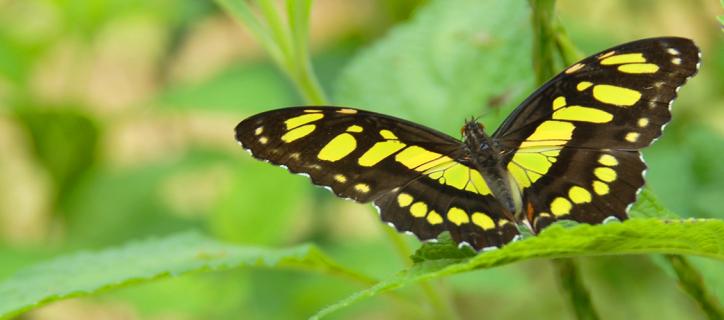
{"x": 404, "y": 199}
{"x": 559, "y": 102}
{"x": 561, "y": 206}
{"x": 638, "y": 68}
{"x": 607, "y": 160}
{"x": 624, "y": 58}
{"x": 434, "y": 218}
{"x": 550, "y": 133}
{"x": 605, "y": 174}
{"x": 418, "y": 209}
{"x": 615, "y": 95}
{"x": 362, "y": 187}
{"x": 379, "y": 152}
{"x": 583, "y": 85}
{"x": 303, "y": 119}
{"x": 482, "y": 220}
{"x": 632, "y": 137}
{"x": 529, "y": 166}
{"x": 574, "y": 68}
{"x": 338, "y": 148}
{"x": 457, "y": 216}
{"x": 643, "y": 122}
{"x": 414, "y": 157}
{"x": 584, "y": 114}
{"x": 600, "y": 188}
{"x": 298, "y": 133}
{"x": 579, "y": 195}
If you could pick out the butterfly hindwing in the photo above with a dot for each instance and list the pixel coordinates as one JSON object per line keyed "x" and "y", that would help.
{"x": 412, "y": 173}
{"x": 563, "y": 141}
{"x": 463, "y": 206}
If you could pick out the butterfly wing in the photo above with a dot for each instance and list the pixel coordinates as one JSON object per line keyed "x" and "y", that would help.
{"x": 414, "y": 175}
{"x": 573, "y": 146}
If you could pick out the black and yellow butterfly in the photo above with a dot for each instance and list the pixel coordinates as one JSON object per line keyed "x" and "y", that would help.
{"x": 569, "y": 151}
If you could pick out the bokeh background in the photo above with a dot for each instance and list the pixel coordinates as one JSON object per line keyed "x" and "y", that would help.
{"x": 116, "y": 121}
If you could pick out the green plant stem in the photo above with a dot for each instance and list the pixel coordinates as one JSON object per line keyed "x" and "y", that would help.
{"x": 570, "y": 280}
{"x": 281, "y": 35}
{"x": 287, "y": 44}
{"x": 544, "y": 64}
{"x": 308, "y": 84}
{"x": 548, "y": 36}
{"x": 240, "y": 11}
{"x": 691, "y": 281}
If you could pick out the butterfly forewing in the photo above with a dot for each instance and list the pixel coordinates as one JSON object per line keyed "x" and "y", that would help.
{"x": 414, "y": 175}
{"x": 573, "y": 146}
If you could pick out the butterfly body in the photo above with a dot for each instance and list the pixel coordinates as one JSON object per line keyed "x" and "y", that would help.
{"x": 570, "y": 151}
{"x": 485, "y": 155}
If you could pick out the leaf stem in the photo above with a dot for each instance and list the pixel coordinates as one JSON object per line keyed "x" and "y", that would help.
{"x": 287, "y": 43}
{"x": 571, "y": 282}
{"x": 549, "y": 36}
{"x": 544, "y": 64}
{"x": 691, "y": 281}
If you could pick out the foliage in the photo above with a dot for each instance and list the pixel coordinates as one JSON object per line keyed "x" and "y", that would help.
{"x": 89, "y": 272}
{"x": 448, "y": 61}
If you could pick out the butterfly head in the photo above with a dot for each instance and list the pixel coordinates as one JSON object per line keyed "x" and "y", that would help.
{"x": 475, "y": 139}
{"x": 472, "y": 129}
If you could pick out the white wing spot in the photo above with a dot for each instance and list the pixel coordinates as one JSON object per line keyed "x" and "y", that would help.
{"x": 464, "y": 244}
{"x": 491, "y": 248}
{"x": 377, "y": 208}
{"x": 610, "y": 219}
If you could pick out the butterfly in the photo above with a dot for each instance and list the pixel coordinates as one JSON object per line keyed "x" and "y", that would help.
{"x": 570, "y": 151}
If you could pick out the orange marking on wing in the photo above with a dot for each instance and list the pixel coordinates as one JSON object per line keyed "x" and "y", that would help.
{"x": 530, "y": 211}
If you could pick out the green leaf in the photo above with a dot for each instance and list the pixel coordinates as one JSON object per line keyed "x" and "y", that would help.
{"x": 453, "y": 60}
{"x": 703, "y": 237}
{"x": 691, "y": 281}
{"x": 86, "y": 273}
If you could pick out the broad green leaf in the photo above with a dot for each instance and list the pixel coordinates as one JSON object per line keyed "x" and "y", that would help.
{"x": 89, "y": 272}
{"x": 453, "y": 60}
{"x": 702, "y": 237}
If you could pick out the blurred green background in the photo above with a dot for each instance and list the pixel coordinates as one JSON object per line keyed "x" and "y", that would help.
{"x": 116, "y": 120}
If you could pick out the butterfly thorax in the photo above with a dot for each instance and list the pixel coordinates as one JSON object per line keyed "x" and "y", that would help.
{"x": 486, "y": 156}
